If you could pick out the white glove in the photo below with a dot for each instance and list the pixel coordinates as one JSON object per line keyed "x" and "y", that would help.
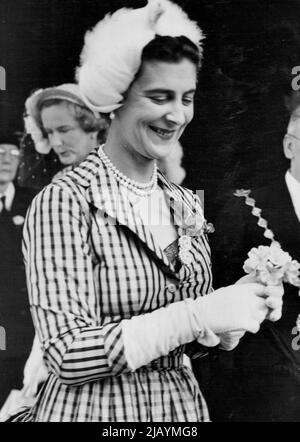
{"x": 152, "y": 335}
{"x": 35, "y": 371}
{"x": 274, "y": 293}
{"x": 230, "y": 340}
{"x": 236, "y": 307}
{"x": 274, "y": 301}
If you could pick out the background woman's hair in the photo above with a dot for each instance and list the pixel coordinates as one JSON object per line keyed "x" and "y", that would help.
{"x": 87, "y": 121}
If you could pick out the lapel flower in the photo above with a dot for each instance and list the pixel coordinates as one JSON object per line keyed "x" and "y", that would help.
{"x": 192, "y": 226}
{"x": 18, "y": 220}
{"x": 184, "y": 254}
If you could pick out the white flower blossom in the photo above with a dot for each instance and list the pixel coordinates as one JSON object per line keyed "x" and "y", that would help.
{"x": 185, "y": 257}
{"x": 271, "y": 265}
{"x": 185, "y": 242}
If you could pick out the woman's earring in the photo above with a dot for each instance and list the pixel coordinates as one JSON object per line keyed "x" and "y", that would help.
{"x": 112, "y": 115}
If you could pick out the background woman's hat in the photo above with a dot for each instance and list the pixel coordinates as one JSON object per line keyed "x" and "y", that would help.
{"x": 9, "y": 137}
{"x": 69, "y": 92}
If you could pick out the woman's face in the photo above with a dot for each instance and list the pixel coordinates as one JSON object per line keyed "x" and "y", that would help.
{"x": 66, "y": 137}
{"x": 158, "y": 107}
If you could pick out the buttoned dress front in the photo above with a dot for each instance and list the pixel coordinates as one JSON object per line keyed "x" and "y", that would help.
{"x": 90, "y": 264}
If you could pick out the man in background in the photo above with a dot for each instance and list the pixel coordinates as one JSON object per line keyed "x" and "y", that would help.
{"x": 260, "y": 379}
{"x": 15, "y": 318}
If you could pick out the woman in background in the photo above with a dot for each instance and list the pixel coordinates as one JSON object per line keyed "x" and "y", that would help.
{"x": 57, "y": 118}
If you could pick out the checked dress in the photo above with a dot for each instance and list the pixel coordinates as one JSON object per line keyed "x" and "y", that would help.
{"x": 90, "y": 264}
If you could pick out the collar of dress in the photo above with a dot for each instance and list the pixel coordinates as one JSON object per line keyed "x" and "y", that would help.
{"x": 102, "y": 190}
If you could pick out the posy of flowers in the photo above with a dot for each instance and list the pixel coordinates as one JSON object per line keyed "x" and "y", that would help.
{"x": 272, "y": 266}
{"x": 269, "y": 264}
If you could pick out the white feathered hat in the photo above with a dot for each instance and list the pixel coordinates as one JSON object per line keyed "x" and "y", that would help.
{"x": 112, "y": 51}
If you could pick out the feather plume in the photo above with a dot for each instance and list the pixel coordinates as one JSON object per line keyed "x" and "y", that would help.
{"x": 112, "y": 50}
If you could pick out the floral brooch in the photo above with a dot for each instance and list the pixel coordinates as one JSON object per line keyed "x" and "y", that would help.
{"x": 193, "y": 225}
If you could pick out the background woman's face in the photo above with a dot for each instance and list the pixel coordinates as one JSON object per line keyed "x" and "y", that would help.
{"x": 158, "y": 107}
{"x": 66, "y": 137}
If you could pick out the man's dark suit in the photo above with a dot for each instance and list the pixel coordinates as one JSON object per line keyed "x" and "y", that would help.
{"x": 14, "y": 310}
{"x": 263, "y": 373}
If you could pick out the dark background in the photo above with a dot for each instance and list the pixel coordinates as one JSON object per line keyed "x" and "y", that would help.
{"x": 245, "y": 93}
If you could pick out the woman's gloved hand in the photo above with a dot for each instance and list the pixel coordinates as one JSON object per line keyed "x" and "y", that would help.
{"x": 236, "y": 307}
{"x": 230, "y": 340}
{"x": 205, "y": 319}
{"x": 274, "y": 294}
{"x": 274, "y": 301}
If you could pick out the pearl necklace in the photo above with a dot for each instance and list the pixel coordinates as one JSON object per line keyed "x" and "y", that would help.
{"x": 140, "y": 189}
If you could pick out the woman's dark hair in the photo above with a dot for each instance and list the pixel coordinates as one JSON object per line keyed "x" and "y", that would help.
{"x": 172, "y": 50}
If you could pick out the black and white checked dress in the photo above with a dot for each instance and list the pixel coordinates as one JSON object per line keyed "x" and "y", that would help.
{"x": 91, "y": 263}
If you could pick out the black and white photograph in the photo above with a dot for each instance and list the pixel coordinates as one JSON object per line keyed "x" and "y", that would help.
{"x": 149, "y": 213}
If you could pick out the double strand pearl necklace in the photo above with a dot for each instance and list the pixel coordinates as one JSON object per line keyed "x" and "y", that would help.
{"x": 140, "y": 189}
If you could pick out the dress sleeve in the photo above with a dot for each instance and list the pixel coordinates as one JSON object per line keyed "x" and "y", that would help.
{"x": 64, "y": 305}
{"x": 77, "y": 347}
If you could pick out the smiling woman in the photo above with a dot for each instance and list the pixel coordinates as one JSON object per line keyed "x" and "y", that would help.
{"x": 117, "y": 257}
{"x": 158, "y": 107}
